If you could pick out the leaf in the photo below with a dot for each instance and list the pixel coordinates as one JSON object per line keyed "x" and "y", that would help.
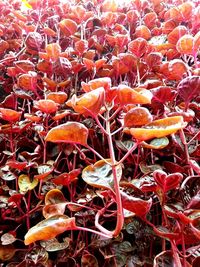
{"x": 89, "y": 103}
{"x": 24, "y": 65}
{"x": 100, "y": 174}
{"x": 7, "y": 252}
{"x": 125, "y": 145}
{"x": 137, "y": 116}
{"x": 68, "y": 27}
{"x": 57, "y": 97}
{"x": 54, "y": 203}
{"x": 26, "y": 4}
{"x": 148, "y": 168}
{"x": 104, "y": 82}
{"x": 9, "y": 115}
{"x": 189, "y": 88}
{"x": 8, "y": 176}
{"x": 185, "y": 45}
{"x": 137, "y": 205}
{"x": 67, "y": 178}
{"x": 158, "y": 143}
{"x": 54, "y": 196}
{"x": 25, "y": 183}
{"x": 88, "y": 260}
{"x": 145, "y": 184}
{"x": 159, "y": 128}
{"x": 176, "y": 33}
{"x": 70, "y": 132}
{"x": 138, "y": 47}
{"x": 81, "y": 46}
{"x": 53, "y": 245}
{"x": 163, "y": 94}
{"x": 167, "y": 182}
{"x": 46, "y": 106}
{"x": 28, "y": 81}
{"x": 37, "y": 256}
{"x": 16, "y": 164}
{"x": 127, "y": 95}
{"x": 53, "y": 51}
{"x": 7, "y": 239}
{"x": 49, "y": 228}
{"x": 50, "y": 210}
{"x": 143, "y": 32}
{"x": 43, "y": 171}
{"x": 165, "y": 258}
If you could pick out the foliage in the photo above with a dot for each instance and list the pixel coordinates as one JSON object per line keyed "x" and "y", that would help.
{"x": 99, "y": 133}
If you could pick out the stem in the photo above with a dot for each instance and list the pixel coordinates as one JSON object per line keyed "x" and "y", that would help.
{"x": 187, "y": 156}
{"x": 128, "y": 153}
{"x": 92, "y": 231}
{"x": 138, "y": 74}
{"x": 176, "y": 256}
{"x": 97, "y": 154}
{"x": 120, "y": 216}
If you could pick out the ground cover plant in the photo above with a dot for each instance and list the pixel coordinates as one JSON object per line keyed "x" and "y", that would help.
{"x": 99, "y": 133}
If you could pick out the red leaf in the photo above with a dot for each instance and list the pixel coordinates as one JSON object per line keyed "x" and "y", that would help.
{"x": 9, "y": 114}
{"x": 67, "y": 178}
{"x": 16, "y": 164}
{"x": 137, "y": 205}
{"x": 189, "y": 88}
{"x": 138, "y": 47}
{"x": 167, "y": 182}
{"x": 163, "y": 94}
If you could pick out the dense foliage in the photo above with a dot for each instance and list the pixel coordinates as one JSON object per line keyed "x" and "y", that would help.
{"x": 99, "y": 133}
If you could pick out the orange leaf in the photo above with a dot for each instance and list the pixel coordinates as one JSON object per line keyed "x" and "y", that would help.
{"x": 89, "y": 64}
{"x": 32, "y": 117}
{"x": 138, "y": 47}
{"x": 49, "y": 228}
{"x": 70, "y": 132}
{"x": 143, "y": 32}
{"x": 127, "y": 95}
{"x": 81, "y": 46}
{"x": 24, "y": 65}
{"x": 158, "y": 128}
{"x": 53, "y": 51}
{"x": 48, "y": 31}
{"x": 137, "y": 116}
{"x": 46, "y": 106}
{"x": 109, "y": 5}
{"x": 3, "y": 46}
{"x": 185, "y": 45}
{"x": 54, "y": 196}
{"x": 177, "y": 33}
{"x": 57, "y": 97}
{"x": 89, "y": 103}
{"x": 28, "y": 81}
{"x": 9, "y": 114}
{"x": 68, "y": 26}
{"x": 97, "y": 83}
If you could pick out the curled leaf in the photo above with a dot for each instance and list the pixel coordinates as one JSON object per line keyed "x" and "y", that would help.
{"x": 137, "y": 205}
{"x": 127, "y": 95}
{"x": 89, "y": 103}
{"x": 159, "y": 128}
{"x": 158, "y": 143}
